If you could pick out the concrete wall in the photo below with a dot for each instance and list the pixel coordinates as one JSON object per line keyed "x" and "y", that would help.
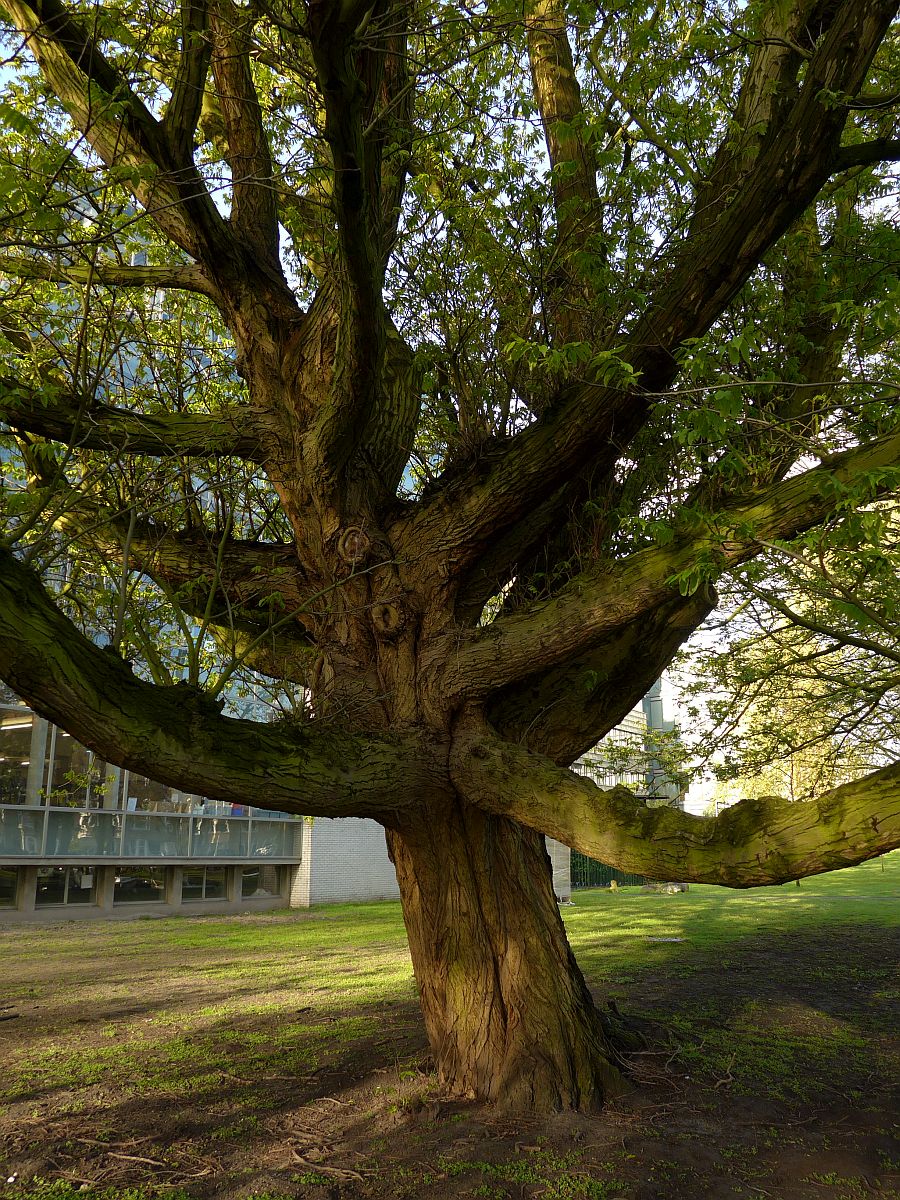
{"x": 346, "y": 859}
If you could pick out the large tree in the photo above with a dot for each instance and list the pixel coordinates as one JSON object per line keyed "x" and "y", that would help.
{"x": 432, "y": 362}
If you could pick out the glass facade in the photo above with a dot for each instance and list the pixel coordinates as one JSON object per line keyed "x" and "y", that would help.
{"x": 64, "y": 885}
{"x": 16, "y": 725}
{"x": 60, "y": 800}
{"x": 8, "y": 885}
{"x": 119, "y": 838}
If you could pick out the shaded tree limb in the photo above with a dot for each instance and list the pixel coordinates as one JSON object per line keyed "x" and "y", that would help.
{"x": 562, "y": 713}
{"x": 178, "y": 735}
{"x": 866, "y": 154}
{"x": 182, "y": 113}
{"x": 596, "y": 603}
{"x": 753, "y": 843}
{"x": 185, "y": 278}
{"x": 254, "y": 213}
{"x": 78, "y": 421}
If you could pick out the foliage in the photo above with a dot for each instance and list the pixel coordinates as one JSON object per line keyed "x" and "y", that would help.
{"x": 797, "y": 680}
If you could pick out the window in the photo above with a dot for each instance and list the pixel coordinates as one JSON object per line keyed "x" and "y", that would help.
{"x": 8, "y": 880}
{"x": 64, "y": 885}
{"x": 259, "y": 882}
{"x": 137, "y": 884}
{"x": 204, "y": 883}
{"x": 15, "y": 754}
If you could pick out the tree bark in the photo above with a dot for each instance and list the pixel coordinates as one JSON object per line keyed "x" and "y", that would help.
{"x": 507, "y": 1011}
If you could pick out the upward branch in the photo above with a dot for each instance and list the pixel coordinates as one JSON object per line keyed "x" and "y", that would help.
{"x": 120, "y": 127}
{"x": 592, "y": 421}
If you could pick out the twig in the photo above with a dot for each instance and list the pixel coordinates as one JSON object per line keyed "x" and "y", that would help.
{"x": 154, "y": 1162}
{"x": 337, "y": 1172}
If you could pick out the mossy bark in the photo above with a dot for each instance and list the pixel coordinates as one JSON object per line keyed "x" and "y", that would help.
{"x": 507, "y": 1011}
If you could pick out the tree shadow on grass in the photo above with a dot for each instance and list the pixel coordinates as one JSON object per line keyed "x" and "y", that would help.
{"x": 788, "y": 1030}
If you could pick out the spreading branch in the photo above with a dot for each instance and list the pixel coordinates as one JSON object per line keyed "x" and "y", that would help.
{"x": 597, "y": 603}
{"x": 867, "y": 154}
{"x": 78, "y": 421}
{"x": 562, "y": 713}
{"x": 756, "y": 842}
{"x": 114, "y": 275}
{"x": 254, "y": 213}
{"x": 592, "y": 422}
{"x": 178, "y": 735}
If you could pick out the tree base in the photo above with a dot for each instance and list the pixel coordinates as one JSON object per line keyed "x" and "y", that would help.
{"x": 509, "y": 1017}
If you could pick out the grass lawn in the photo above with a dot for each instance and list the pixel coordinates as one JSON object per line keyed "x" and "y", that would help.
{"x": 281, "y": 1055}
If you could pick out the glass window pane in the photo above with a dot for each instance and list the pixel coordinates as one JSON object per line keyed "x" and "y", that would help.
{"x": 192, "y": 883}
{"x": 153, "y": 835}
{"x": 146, "y": 795}
{"x": 8, "y": 879}
{"x": 218, "y": 837}
{"x": 78, "y": 776}
{"x": 139, "y": 884}
{"x": 276, "y": 839}
{"x": 216, "y": 883}
{"x": 63, "y": 826}
{"x": 51, "y": 885}
{"x": 80, "y": 889}
{"x": 21, "y": 830}
{"x": 15, "y": 750}
{"x": 260, "y": 881}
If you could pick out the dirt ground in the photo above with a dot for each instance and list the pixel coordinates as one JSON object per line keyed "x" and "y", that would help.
{"x": 770, "y": 1077}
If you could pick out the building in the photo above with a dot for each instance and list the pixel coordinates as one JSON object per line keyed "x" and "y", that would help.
{"x": 80, "y": 838}
{"x": 83, "y": 838}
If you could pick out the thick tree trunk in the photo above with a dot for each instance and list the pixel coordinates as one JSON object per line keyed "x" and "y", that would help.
{"x": 508, "y": 1014}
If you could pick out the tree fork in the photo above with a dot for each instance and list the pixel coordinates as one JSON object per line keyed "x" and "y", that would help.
{"x": 508, "y": 1014}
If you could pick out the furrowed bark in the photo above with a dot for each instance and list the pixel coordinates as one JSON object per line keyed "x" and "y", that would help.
{"x": 507, "y": 1011}
{"x": 756, "y": 842}
{"x": 178, "y": 736}
{"x": 573, "y": 178}
{"x": 596, "y": 604}
{"x": 359, "y": 270}
{"x": 79, "y": 421}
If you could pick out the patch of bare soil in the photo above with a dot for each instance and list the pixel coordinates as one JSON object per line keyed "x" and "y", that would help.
{"x": 770, "y": 1076}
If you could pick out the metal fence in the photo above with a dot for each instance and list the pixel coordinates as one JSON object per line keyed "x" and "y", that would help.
{"x": 588, "y": 873}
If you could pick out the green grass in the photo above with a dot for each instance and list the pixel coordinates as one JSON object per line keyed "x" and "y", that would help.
{"x": 607, "y": 928}
{"x": 256, "y": 995}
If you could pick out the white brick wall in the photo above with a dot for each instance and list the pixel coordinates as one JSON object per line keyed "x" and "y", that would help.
{"x": 347, "y": 860}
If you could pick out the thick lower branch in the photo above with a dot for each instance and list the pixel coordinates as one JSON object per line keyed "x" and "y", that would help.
{"x": 76, "y": 421}
{"x": 178, "y": 736}
{"x": 757, "y": 842}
